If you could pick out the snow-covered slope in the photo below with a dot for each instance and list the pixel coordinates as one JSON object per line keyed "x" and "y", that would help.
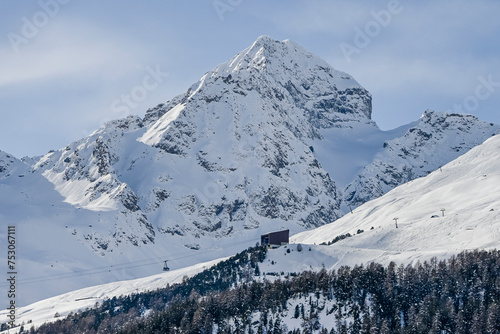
{"x": 274, "y": 138}
{"x": 468, "y": 189}
{"x": 45, "y": 310}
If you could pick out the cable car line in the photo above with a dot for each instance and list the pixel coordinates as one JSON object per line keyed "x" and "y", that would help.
{"x": 110, "y": 268}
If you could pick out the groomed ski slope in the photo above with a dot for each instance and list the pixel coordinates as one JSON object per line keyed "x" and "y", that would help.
{"x": 468, "y": 188}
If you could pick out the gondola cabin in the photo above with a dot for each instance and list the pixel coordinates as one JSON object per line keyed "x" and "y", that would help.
{"x": 275, "y": 239}
{"x": 165, "y": 266}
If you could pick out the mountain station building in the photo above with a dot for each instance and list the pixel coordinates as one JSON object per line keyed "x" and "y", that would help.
{"x": 275, "y": 239}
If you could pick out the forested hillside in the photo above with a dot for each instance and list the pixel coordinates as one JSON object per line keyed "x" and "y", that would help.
{"x": 459, "y": 295}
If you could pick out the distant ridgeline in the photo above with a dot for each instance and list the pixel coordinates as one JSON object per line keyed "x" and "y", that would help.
{"x": 460, "y": 295}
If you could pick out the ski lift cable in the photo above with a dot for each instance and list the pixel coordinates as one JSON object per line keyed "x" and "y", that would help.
{"x": 110, "y": 268}
{"x": 113, "y": 267}
{"x": 71, "y": 275}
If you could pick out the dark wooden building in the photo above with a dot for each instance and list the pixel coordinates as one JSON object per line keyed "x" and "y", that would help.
{"x": 275, "y": 239}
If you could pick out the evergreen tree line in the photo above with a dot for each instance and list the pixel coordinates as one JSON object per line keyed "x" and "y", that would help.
{"x": 459, "y": 295}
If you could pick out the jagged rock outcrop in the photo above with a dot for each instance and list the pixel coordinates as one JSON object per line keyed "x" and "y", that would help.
{"x": 436, "y": 139}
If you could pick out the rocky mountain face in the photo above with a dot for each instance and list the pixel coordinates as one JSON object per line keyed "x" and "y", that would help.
{"x": 9, "y": 164}
{"x": 273, "y": 138}
{"x": 436, "y": 139}
{"x": 87, "y": 174}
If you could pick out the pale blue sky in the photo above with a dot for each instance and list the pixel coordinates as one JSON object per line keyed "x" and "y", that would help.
{"x": 66, "y": 65}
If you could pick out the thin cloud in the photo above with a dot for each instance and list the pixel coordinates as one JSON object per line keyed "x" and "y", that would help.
{"x": 73, "y": 54}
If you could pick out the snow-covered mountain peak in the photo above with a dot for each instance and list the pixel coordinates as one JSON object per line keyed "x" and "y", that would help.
{"x": 9, "y": 163}
{"x": 296, "y": 83}
{"x": 5, "y": 161}
{"x": 294, "y": 71}
{"x": 285, "y": 57}
{"x": 443, "y": 120}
